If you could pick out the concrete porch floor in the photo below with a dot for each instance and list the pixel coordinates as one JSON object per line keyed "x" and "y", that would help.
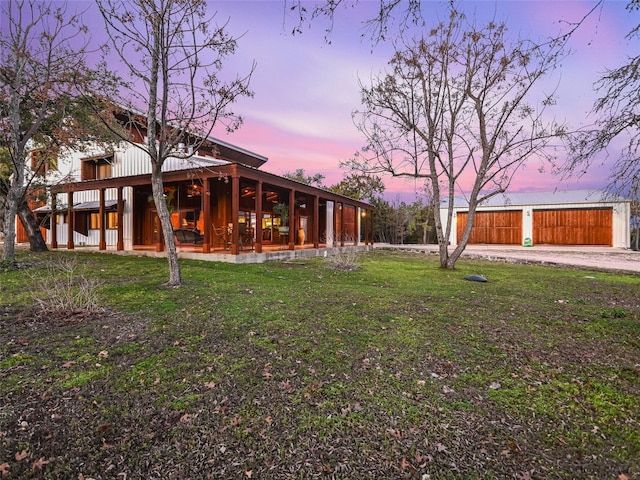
{"x": 270, "y": 253}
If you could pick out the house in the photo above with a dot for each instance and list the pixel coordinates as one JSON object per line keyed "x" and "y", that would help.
{"x": 578, "y": 217}
{"x": 220, "y": 202}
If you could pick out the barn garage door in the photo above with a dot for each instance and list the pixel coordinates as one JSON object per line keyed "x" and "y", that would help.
{"x": 493, "y": 227}
{"x": 573, "y": 227}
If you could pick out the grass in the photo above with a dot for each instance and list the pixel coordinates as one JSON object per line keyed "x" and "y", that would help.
{"x": 296, "y": 370}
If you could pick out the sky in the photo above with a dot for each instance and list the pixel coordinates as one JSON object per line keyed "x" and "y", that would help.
{"x": 305, "y": 89}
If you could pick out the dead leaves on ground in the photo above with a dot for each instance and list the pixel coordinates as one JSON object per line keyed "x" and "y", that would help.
{"x": 5, "y": 467}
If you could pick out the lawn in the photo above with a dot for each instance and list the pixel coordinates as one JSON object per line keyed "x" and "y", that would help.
{"x": 298, "y": 370}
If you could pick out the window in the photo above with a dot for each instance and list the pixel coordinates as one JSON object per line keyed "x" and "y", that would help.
{"x": 112, "y": 221}
{"x": 97, "y": 168}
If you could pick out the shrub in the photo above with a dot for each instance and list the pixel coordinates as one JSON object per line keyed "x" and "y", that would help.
{"x": 64, "y": 288}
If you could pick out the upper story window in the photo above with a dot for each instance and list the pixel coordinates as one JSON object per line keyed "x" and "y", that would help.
{"x": 97, "y": 168}
{"x": 43, "y": 161}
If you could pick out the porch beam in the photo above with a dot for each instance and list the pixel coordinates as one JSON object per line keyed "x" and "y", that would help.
{"x": 102, "y": 245}
{"x": 258, "y": 241}
{"x": 235, "y": 209}
{"x": 292, "y": 213}
{"x": 206, "y": 200}
{"x": 70, "y": 221}
{"x": 315, "y": 232}
{"x": 53, "y": 223}
{"x": 341, "y": 224}
{"x": 120, "y": 214}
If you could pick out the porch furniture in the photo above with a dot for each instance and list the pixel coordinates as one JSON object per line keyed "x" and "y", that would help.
{"x": 184, "y": 235}
{"x": 246, "y": 236}
{"x": 221, "y": 238}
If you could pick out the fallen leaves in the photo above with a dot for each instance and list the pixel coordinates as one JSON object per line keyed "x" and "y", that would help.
{"x": 21, "y": 455}
{"x": 38, "y": 464}
{"x": 4, "y": 468}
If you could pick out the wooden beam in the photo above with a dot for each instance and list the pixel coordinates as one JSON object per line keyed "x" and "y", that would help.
{"x": 258, "y": 205}
{"x": 206, "y": 207}
{"x": 53, "y": 222}
{"x": 70, "y": 218}
{"x": 103, "y": 231}
{"x": 120, "y": 214}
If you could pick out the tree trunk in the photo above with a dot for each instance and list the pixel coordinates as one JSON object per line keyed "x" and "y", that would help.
{"x": 9, "y": 250}
{"x": 36, "y": 242}
{"x": 175, "y": 278}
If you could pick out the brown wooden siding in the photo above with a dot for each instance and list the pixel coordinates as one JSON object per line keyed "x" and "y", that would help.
{"x": 493, "y": 227}
{"x": 573, "y": 226}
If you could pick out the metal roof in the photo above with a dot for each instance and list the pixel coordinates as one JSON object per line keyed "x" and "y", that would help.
{"x": 556, "y": 197}
{"x": 94, "y": 205}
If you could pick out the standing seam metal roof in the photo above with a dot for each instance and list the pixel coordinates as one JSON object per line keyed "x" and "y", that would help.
{"x": 543, "y": 198}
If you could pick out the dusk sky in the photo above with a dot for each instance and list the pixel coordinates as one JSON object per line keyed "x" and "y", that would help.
{"x": 305, "y": 89}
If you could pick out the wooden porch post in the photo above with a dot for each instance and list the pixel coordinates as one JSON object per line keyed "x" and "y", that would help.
{"x": 334, "y": 240}
{"x": 120, "y": 214}
{"x": 365, "y": 214}
{"x": 235, "y": 208}
{"x": 102, "y": 245}
{"x": 341, "y": 224}
{"x": 371, "y": 228}
{"x": 70, "y": 221}
{"x": 358, "y": 227}
{"x": 292, "y": 212}
{"x": 206, "y": 199}
{"x": 53, "y": 221}
{"x": 316, "y": 222}
{"x": 258, "y": 242}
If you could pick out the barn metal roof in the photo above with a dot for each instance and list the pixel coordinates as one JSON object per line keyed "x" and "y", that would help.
{"x": 556, "y": 197}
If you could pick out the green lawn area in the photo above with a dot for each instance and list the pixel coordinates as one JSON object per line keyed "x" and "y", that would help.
{"x": 297, "y": 370}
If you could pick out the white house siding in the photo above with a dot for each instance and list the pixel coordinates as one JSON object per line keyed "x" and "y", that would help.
{"x": 528, "y": 203}
{"x": 127, "y": 161}
{"x": 93, "y": 237}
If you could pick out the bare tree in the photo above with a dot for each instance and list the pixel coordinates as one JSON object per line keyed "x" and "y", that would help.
{"x": 42, "y": 55}
{"x": 388, "y": 12}
{"x": 173, "y": 53}
{"x": 618, "y": 118}
{"x": 454, "y": 109}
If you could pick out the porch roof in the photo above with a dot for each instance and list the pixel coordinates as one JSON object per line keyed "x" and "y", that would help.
{"x": 93, "y": 205}
{"x": 202, "y": 173}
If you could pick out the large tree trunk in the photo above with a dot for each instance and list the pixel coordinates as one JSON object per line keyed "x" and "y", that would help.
{"x": 175, "y": 278}
{"x": 9, "y": 250}
{"x": 36, "y": 242}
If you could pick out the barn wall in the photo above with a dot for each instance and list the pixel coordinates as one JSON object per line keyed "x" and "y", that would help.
{"x": 619, "y": 224}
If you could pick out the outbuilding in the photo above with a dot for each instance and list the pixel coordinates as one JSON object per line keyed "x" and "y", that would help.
{"x": 574, "y": 217}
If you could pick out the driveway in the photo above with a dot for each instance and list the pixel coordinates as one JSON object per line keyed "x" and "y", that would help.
{"x": 599, "y": 258}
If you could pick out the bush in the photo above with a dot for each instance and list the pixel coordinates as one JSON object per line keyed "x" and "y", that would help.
{"x": 64, "y": 288}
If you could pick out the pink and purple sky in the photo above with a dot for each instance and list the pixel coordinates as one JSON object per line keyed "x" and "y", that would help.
{"x": 305, "y": 89}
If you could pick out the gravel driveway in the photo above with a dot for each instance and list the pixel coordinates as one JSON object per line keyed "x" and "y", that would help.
{"x": 600, "y": 258}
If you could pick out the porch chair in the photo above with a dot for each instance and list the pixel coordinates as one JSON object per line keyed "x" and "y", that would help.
{"x": 221, "y": 237}
{"x": 246, "y": 236}
{"x": 184, "y": 235}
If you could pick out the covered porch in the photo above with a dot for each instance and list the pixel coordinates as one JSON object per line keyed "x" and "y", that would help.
{"x": 228, "y": 209}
